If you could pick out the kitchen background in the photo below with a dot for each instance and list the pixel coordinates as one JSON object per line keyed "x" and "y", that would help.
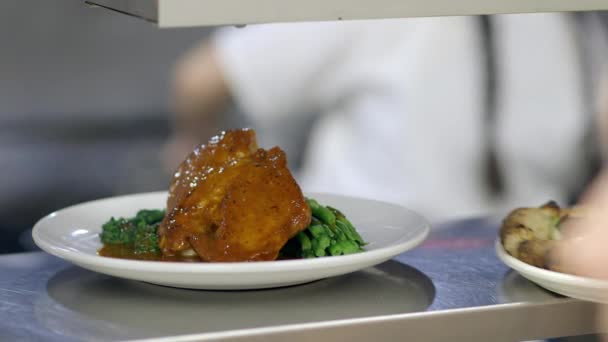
{"x": 84, "y": 111}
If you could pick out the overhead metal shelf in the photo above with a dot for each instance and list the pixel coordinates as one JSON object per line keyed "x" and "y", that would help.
{"x": 184, "y": 13}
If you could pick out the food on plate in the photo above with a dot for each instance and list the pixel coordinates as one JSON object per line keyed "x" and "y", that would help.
{"x": 232, "y": 201}
{"x": 329, "y": 234}
{"x": 138, "y": 231}
{"x": 530, "y": 234}
{"x": 134, "y": 237}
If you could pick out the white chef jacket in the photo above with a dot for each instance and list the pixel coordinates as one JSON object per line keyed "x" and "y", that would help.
{"x": 401, "y": 106}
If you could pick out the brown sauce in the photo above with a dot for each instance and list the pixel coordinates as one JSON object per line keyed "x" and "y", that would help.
{"x": 127, "y": 252}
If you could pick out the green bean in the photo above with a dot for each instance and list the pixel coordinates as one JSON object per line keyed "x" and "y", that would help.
{"x": 326, "y": 230}
{"x": 308, "y": 254}
{"x": 304, "y": 241}
{"x": 350, "y": 247}
{"x": 320, "y": 212}
{"x": 325, "y": 215}
{"x": 343, "y": 248}
{"x": 319, "y": 245}
{"x": 344, "y": 228}
{"x": 324, "y": 242}
{"x": 312, "y": 203}
{"x": 341, "y": 217}
{"x": 336, "y": 212}
{"x": 317, "y": 231}
{"x": 329, "y": 233}
{"x": 353, "y": 232}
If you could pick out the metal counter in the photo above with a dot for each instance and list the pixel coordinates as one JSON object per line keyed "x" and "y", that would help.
{"x": 452, "y": 287}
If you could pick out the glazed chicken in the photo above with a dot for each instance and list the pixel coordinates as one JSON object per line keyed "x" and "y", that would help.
{"x": 232, "y": 201}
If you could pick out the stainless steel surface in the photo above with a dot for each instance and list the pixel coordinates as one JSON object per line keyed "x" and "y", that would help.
{"x": 180, "y": 13}
{"x": 452, "y": 286}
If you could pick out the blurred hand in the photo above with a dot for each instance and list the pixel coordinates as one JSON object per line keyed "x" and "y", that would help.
{"x": 585, "y": 247}
{"x": 175, "y": 150}
{"x": 199, "y": 94}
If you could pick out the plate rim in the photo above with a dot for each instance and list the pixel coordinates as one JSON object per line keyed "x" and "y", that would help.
{"x": 79, "y": 257}
{"x": 544, "y": 274}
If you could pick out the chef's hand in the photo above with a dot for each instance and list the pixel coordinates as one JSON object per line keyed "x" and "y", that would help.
{"x": 585, "y": 246}
{"x": 199, "y": 94}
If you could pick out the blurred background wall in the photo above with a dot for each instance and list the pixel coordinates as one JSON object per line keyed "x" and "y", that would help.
{"x": 83, "y": 107}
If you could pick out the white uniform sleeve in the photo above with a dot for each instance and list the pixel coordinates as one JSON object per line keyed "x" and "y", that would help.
{"x": 277, "y": 70}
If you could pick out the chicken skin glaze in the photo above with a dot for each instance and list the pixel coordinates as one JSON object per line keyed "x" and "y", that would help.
{"x": 232, "y": 201}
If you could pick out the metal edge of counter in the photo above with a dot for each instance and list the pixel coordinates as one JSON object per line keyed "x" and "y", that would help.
{"x": 494, "y": 323}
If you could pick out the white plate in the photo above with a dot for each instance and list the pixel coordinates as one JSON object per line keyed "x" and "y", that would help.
{"x": 565, "y": 284}
{"x": 72, "y": 234}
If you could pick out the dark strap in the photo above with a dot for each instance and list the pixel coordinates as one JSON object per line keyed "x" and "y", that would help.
{"x": 491, "y": 166}
{"x": 590, "y": 142}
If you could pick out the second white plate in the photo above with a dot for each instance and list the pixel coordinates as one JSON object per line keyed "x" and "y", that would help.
{"x": 565, "y": 284}
{"x": 73, "y": 234}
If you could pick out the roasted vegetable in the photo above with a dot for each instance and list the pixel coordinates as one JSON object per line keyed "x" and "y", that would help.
{"x": 529, "y": 234}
